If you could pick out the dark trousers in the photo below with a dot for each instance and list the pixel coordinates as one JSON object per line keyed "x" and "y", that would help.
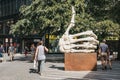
{"x": 41, "y": 65}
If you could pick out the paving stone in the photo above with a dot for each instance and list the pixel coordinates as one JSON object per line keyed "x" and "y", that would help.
{"x": 22, "y": 69}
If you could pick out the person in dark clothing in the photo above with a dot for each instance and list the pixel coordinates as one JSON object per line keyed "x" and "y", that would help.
{"x": 1, "y": 53}
{"x": 104, "y": 53}
{"x": 33, "y": 48}
{"x": 26, "y": 51}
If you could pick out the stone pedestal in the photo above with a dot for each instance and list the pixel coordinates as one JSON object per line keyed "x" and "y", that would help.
{"x": 80, "y": 61}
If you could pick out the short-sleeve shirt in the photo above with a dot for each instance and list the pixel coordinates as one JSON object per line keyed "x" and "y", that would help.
{"x": 103, "y": 47}
{"x": 1, "y": 50}
{"x": 11, "y": 48}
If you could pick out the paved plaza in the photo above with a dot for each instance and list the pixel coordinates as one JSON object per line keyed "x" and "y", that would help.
{"x": 22, "y": 69}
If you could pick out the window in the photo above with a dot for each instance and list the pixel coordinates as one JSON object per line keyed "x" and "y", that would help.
{"x": 0, "y": 10}
{"x": 9, "y": 7}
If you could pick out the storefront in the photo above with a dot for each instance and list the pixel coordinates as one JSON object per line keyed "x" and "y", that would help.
{"x": 29, "y": 40}
{"x": 51, "y": 41}
{"x": 9, "y": 14}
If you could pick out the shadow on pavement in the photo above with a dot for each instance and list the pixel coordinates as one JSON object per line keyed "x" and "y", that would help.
{"x": 56, "y": 67}
{"x": 54, "y": 61}
{"x": 32, "y": 70}
{"x": 108, "y": 74}
{"x": 21, "y": 59}
{"x": 74, "y": 79}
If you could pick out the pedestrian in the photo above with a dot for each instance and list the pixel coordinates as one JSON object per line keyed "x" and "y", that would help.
{"x": 40, "y": 56}
{"x": 33, "y": 48}
{"x": 111, "y": 58}
{"x": 11, "y": 51}
{"x": 104, "y": 54}
{"x": 26, "y": 51}
{"x": 1, "y": 52}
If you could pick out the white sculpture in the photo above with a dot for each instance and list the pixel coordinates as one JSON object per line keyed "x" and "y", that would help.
{"x": 76, "y": 42}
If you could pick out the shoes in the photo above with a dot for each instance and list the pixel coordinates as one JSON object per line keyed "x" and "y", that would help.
{"x": 105, "y": 67}
{"x": 110, "y": 68}
{"x": 12, "y": 57}
{"x": 39, "y": 73}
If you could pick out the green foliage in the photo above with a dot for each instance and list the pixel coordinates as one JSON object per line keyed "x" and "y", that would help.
{"x": 115, "y": 12}
{"x": 94, "y": 15}
{"x": 50, "y": 13}
{"x": 106, "y": 14}
{"x": 107, "y": 28}
{"x": 21, "y": 29}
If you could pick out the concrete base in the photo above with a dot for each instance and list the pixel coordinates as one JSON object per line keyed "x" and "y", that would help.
{"x": 80, "y": 61}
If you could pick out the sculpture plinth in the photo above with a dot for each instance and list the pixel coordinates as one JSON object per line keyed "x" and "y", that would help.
{"x": 80, "y": 62}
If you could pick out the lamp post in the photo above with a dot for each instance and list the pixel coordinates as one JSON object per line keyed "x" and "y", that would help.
{"x": 20, "y": 36}
{"x": 6, "y": 40}
{"x": 119, "y": 48}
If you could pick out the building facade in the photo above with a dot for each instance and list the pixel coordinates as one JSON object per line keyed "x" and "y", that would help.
{"x": 9, "y": 14}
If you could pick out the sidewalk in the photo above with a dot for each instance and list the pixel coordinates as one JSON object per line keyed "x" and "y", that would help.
{"x": 20, "y": 69}
{"x": 55, "y": 71}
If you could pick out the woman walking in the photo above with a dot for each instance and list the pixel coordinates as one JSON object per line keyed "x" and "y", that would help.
{"x": 40, "y": 56}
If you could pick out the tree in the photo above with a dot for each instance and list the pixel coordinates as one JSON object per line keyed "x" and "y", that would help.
{"x": 44, "y": 14}
{"x": 90, "y": 15}
{"x": 41, "y": 15}
{"x": 106, "y": 29}
{"x": 105, "y": 13}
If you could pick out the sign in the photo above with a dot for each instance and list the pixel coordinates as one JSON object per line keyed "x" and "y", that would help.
{"x": 36, "y": 40}
{"x": 11, "y": 40}
{"x": 51, "y": 36}
{"x": 6, "y": 39}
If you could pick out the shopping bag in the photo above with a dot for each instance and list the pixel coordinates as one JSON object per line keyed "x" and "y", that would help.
{"x": 35, "y": 64}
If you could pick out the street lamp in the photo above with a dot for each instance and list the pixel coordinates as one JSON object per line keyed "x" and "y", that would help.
{"x": 6, "y": 40}
{"x": 20, "y": 36}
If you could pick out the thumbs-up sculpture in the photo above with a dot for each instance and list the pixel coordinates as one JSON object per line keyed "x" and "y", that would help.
{"x": 80, "y": 42}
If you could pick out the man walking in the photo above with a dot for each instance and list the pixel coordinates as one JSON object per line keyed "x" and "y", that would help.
{"x": 104, "y": 53}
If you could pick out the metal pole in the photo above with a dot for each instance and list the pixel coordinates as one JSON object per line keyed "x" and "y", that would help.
{"x": 6, "y": 47}
{"x": 6, "y": 40}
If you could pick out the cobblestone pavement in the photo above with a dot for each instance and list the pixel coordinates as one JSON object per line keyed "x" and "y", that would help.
{"x": 22, "y": 69}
